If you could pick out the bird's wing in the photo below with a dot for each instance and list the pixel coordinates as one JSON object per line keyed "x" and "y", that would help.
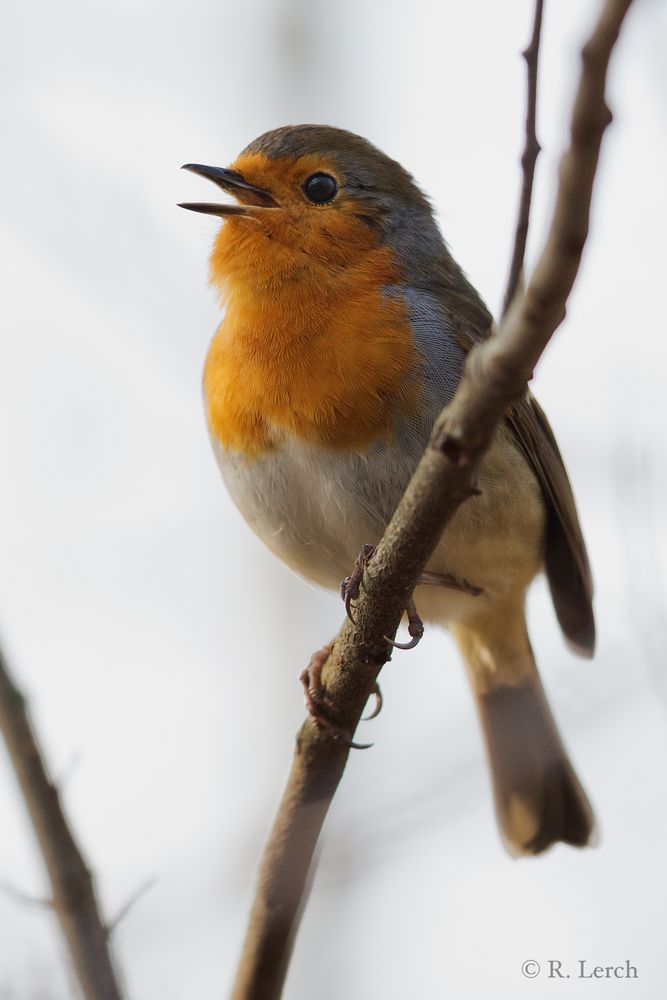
{"x": 566, "y": 561}
{"x": 464, "y": 319}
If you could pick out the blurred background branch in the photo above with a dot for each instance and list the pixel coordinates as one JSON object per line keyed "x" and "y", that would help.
{"x": 74, "y": 899}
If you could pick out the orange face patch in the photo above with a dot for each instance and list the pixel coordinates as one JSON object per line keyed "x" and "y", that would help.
{"x": 310, "y": 343}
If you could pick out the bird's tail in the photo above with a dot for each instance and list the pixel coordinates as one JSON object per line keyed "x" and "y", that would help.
{"x": 539, "y": 799}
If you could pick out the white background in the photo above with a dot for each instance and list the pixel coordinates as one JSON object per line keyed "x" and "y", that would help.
{"x": 160, "y": 644}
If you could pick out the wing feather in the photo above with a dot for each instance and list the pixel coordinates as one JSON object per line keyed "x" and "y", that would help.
{"x": 566, "y": 561}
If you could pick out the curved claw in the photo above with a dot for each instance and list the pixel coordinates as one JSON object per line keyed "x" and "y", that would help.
{"x": 338, "y": 733}
{"x": 348, "y": 596}
{"x": 379, "y": 701}
{"x": 404, "y": 645}
{"x": 415, "y": 629}
{"x": 341, "y": 735}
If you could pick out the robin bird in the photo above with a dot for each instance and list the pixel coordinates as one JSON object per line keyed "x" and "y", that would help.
{"x": 346, "y": 328}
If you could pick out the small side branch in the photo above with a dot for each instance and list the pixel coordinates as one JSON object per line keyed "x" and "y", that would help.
{"x": 129, "y": 905}
{"x": 529, "y": 156}
{"x": 74, "y": 899}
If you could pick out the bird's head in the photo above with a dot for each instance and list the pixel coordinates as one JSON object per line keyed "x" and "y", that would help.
{"x": 310, "y": 198}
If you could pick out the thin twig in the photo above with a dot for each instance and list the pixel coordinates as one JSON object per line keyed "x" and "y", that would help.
{"x": 529, "y": 156}
{"x": 130, "y": 904}
{"x": 495, "y": 377}
{"x": 74, "y": 898}
{"x": 18, "y": 896}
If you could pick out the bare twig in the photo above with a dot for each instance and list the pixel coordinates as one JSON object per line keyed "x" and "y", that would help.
{"x": 495, "y": 377}
{"x": 130, "y": 904}
{"x": 529, "y": 156}
{"x": 74, "y": 898}
{"x": 18, "y": 896}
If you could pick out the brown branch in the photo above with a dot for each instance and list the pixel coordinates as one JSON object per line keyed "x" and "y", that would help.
{"x": 74, "y": 898}
{"x": 496, "y": 376}
{"x": 529, "y": 156}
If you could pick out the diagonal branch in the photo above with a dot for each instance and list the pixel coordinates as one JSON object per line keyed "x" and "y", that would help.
{"x": 529, "y": 156}
{"x": 74, "y": 898}
{"x": 496, "y": 376}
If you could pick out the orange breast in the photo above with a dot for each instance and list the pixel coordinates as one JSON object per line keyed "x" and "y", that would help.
{"x": 308, "y": 346}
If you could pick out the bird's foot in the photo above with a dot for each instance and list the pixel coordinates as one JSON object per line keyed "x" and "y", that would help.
{"x": 351, "y": 585}
{"x": 311, "y": 680}
{"x": 349, "y": 591}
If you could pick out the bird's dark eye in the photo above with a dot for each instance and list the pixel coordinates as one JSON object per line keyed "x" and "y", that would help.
{"x": 320, "y": 188}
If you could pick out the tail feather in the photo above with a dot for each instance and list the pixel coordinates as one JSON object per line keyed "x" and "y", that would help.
{"x": 539, "y": 799}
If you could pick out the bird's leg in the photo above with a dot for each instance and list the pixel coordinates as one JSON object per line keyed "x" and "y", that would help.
{"x": 316, "y": 701}
{"x": 415, "y": 628}
{"x": 350, "y": 586}
{"x": 428, "y": 577}
{"x": 415, "y": 624}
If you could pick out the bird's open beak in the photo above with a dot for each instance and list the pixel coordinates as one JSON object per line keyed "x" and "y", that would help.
{"x": 253, "y": 199}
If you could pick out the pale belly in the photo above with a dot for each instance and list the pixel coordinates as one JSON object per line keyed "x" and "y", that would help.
{"x": 315, "y": 508}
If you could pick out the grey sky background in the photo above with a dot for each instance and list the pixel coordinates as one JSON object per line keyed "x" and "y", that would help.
{"x": 160, "y": 644}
